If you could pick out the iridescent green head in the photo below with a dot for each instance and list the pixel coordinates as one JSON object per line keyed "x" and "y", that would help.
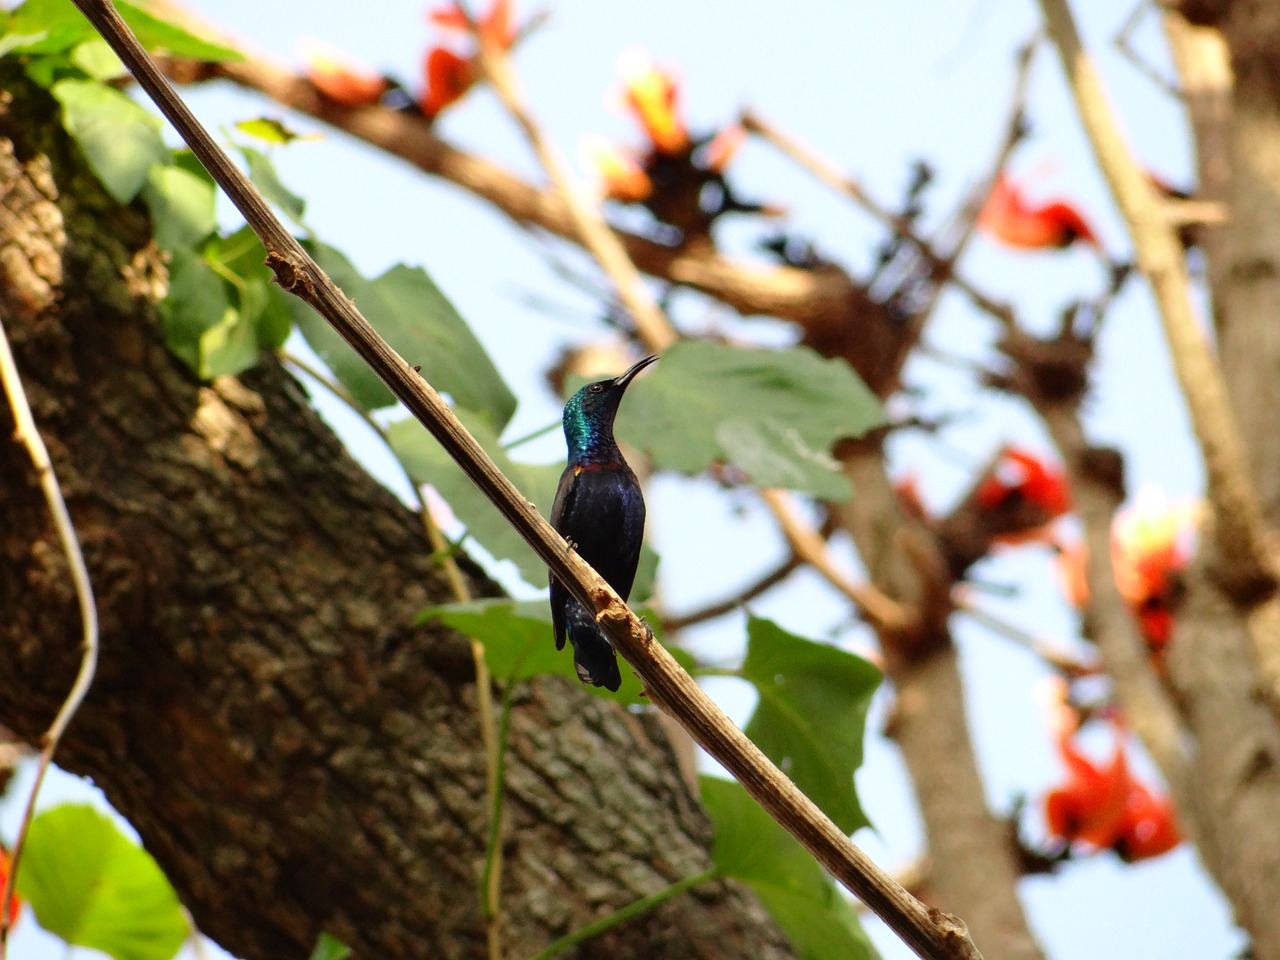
{"x": 589, "y": 414}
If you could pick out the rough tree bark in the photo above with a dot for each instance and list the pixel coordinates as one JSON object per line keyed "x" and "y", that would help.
{"x": 1234, "y": 109}
{"x": 296, "y": 755}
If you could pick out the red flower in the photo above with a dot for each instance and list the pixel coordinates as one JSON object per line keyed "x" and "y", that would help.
{"x": 447, "y": 77}
{"x": 1149, "y": 826}
{"x": 1022, "y": 475}
{"x": 620, "y": 177}
{"x": 1151, "y": 545}
{"x": 1103, "y": 806}
{"x": 337, "y": 76}
{"x": 1090, "y": 806}
{"x": 15, "y": 905}
{"x": 1010, "y": 218}
{"x": 653, "y": 97}
{"x": 497, "y": 27}
{"x": 1020, "y": 497}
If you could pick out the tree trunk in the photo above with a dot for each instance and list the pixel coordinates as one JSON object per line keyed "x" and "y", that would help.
{"x": 1235, "y": 114}
{"x": 973, "y": 864}
{"x": 297, "y": 756}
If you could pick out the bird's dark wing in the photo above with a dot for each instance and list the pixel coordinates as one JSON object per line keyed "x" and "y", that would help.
{"x": 607, "y": 521}
{"x": 559, "y": 595}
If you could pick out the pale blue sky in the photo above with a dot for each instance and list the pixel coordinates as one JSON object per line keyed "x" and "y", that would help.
{"x": 872, "y": 86}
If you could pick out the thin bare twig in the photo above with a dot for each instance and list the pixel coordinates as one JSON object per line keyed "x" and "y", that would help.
{"x": 930, "y": 933}
{"x": 883, "y": 612}
{"x": 26, "y": 433}
{"x": 825, "y": 171}
{"x": 651, "y": 323}
{"x": 1069, "y": 666}
{"x": 729, "y": 604}
{"x": 1141, "y": 64}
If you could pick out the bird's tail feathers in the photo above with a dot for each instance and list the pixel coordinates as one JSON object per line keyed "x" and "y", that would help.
{"x": 593, "y": 655}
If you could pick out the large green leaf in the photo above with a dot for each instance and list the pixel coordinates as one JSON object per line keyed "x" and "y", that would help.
{"x": 427, "y": 462}
{"x": 45, "y": 26}
{"x": 806, "y": 903}
{"x": 263, "y": 174}
{"x": 97, "y": 59}
{"x": 772, "y": 413}
{"x": 156, "y": 34}
{"x": 119, "y": 138}
{"x": 181, "y": 205}
{"x": 519, "y": 643}
{"x": 811, "y": 715}
{"x": 93, "y": 887}
{"x": 407, "y": 308}
{"x": 53, "y": 26}
{"x": 197, "y": 302}
{"x": 262, "y": 303}
{"x": 219, "y": 320}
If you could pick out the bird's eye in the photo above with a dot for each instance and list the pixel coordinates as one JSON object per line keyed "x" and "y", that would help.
{"x": 595, "y": 387}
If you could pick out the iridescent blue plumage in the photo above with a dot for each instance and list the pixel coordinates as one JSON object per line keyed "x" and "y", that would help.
{"x": 600, "y": 510}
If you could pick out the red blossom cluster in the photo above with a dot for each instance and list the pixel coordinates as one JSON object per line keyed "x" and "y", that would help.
{"x": 1009, "y": 217}
{"x": 1102, "y": 806}
{"x": 679, "y": 177}
{"x": 1151, "y": 545}
{"x": 1022, "y": 486}
{"x": 447, "y": 74}
{"x": 15, "y": 905}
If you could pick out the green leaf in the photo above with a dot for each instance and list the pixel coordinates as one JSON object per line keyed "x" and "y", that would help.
{"x": 407, "y": 308}
{"x": 772, "y": 413}
{"x": 273, "y": 131}
{"x": 519, "y": 643}
{"x": 91, "y": 886}
{"x": 806, "y": 903}
{"x": 45, "y": 26}
{"x": 198, "y": 301}
{"x": 54, "y": 26}
{"x": 181, "y": 204}
{"x": 274, "y": 324}
{"x": 48, "y": 70}
{"x": 215, "y": 320}
{"x": 241, "y": 255}
{"x": 231, "y": 345}
{"x": 329, "y": 947}
{"x": 156, "y": 34}
{"x": 97, "y": 59}
{"x": 811, "y": 714}
{"x": 118, "y": 137}
{"x": 263, "y": 174}
{"x": 426, "y": 462}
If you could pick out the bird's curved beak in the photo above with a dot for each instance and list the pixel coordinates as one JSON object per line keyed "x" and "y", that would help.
{"x": 620, "y": 383}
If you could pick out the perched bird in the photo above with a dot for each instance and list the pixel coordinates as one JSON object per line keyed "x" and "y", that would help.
{"x": 599, "y": 509}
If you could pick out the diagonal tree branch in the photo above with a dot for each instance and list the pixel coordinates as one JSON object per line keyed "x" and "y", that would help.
{"x": 929, "y": 933}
